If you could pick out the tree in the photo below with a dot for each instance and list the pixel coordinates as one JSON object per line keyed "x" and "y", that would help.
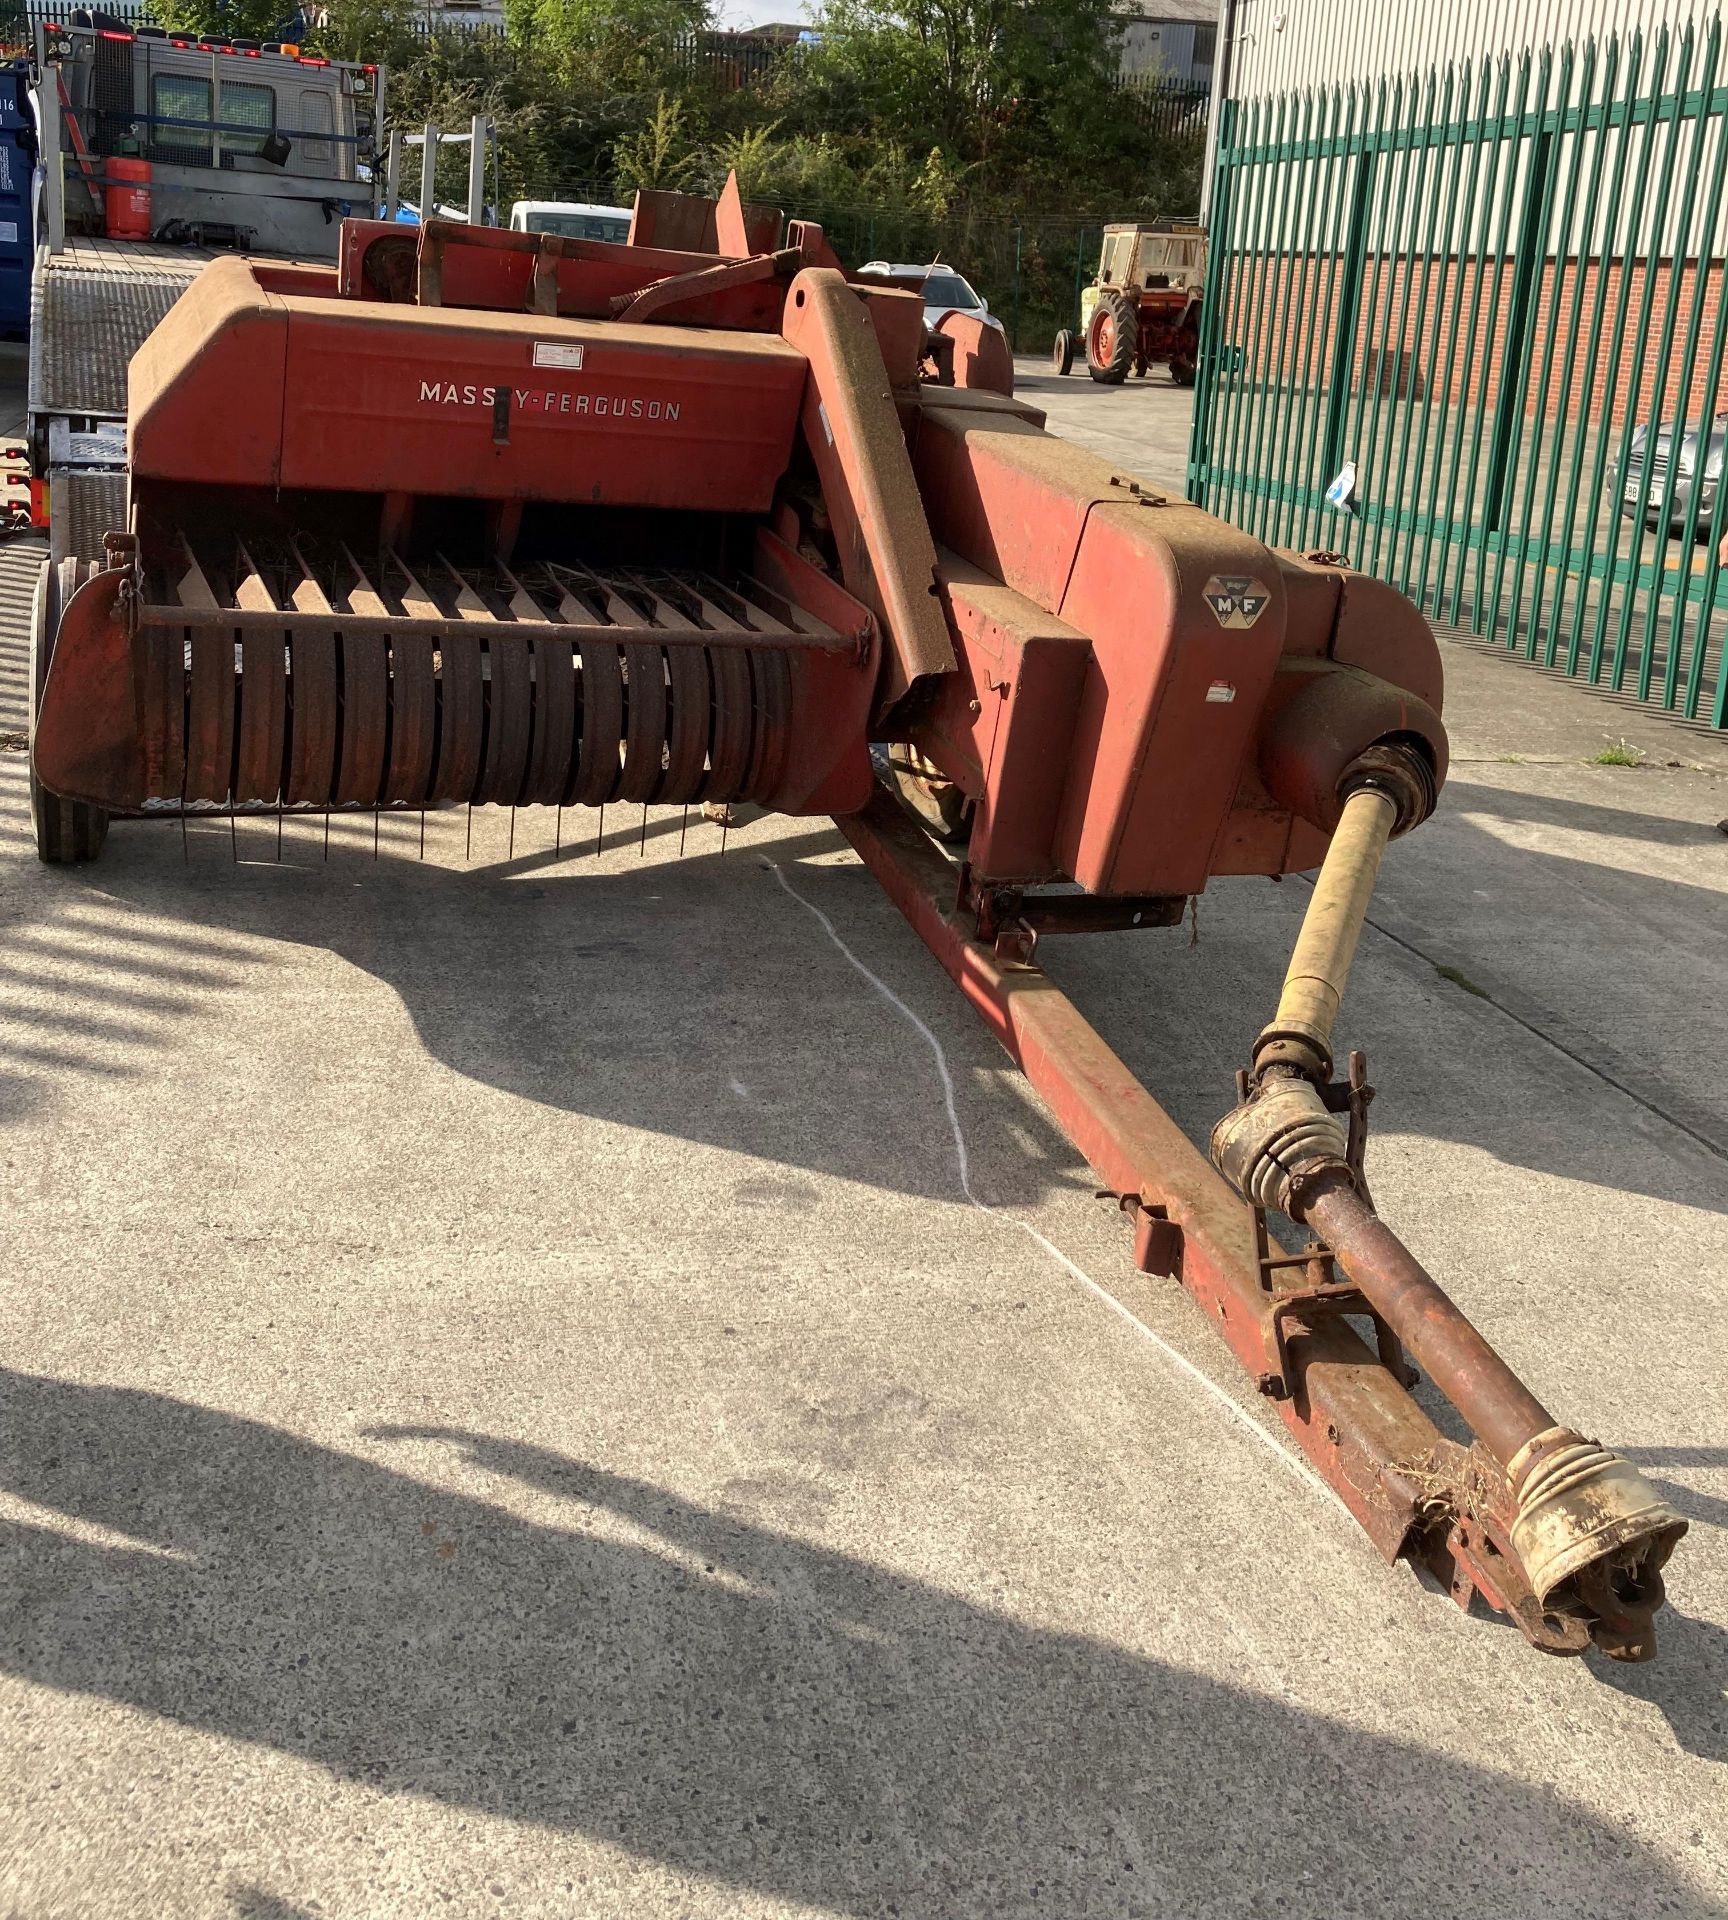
{"x": 622, "y": 45}
{"x": 234, "y": 19}
{"x": 660, "y": 155}
{"x": 991, "y": 79}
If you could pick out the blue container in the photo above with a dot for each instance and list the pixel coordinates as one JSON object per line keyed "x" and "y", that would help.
{"x": 17, "y": 162}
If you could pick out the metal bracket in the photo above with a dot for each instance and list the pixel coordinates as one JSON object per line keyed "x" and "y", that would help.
{"x": 1323, "y": 1293}
{"x": 1024, "y": 914}
{"x": 1157, "y": 1238}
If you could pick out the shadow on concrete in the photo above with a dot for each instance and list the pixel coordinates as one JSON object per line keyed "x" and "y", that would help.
{"x": 1582, "y": 816}
{"x": 1688, "y": 1683}
{"x": 584, "y": 987}
{"x": 252, "y": 1902}
{"x": 691, "y": 1685}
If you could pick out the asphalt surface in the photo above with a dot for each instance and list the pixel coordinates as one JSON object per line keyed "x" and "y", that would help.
{"x": 510, "y": 1410}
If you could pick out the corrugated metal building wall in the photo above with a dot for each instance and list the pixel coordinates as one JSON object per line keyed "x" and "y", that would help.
{"x": 1280, "y": 44}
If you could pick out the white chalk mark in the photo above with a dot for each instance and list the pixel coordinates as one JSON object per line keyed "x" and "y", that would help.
{"x": 962, "y": 1162}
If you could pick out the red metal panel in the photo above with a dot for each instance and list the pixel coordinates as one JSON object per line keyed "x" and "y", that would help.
{"x": 899, "y": 322}
{"x": 1173, "y": 699}
{"x": 825, "y": 762}
{"x": 853, "y": 431}
{"x": 205, "y": 391}
{"x": 87, "y": 743}
{"x": 981, "y": 357}
{"x": 1011, "y": 499}
{"x": 652, "y": 417}
{"x": 1002, "y": 726}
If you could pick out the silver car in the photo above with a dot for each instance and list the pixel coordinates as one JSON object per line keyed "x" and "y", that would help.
{"x": 1687, "y": 477}
{"x": 945, "y": 291}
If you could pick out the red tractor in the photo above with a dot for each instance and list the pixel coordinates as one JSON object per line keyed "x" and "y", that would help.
{"x": 1144, "y": 307}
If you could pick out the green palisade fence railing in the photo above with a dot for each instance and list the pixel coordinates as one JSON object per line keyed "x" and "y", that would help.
{"x": 1495, "y": 292}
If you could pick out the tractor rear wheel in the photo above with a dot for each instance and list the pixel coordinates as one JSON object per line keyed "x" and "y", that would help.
{"x": 67, "y": 831}
{"x": 1062, "y": 353}
{"x": 1113, "y": 338}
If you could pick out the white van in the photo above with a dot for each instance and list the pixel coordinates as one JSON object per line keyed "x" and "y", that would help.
{"x": 574, "y": 219}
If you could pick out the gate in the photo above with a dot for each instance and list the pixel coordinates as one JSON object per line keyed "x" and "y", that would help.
{"x": 1464, "y": 328}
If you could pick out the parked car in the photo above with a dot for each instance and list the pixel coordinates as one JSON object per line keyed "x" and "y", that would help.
{"x": 1687, "y": 478}
{"x": 574, "y": 219}
{"x": 945, "y": 291}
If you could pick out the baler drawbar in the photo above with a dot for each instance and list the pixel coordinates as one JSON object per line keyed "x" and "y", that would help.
{"x": 492, "y": 518}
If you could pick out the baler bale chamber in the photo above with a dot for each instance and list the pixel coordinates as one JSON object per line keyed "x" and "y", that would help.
{"x": 508, "y": 519}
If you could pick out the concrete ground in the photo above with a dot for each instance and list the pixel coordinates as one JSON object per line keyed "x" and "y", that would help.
{"x": 509, "y": 1409}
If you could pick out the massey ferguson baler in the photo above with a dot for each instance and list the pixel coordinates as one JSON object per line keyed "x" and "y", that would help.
{"x": 508, "y": 519}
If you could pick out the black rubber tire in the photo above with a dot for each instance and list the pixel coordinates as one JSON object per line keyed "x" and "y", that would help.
{"x": 68, "y": 832}
{"x": 1182, "y": 372}
{"x": 1062, "y": 353}
{"x": 1112, "y": 337}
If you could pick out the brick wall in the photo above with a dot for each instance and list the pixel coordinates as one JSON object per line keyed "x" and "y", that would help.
{"x": 1414, "y": 330}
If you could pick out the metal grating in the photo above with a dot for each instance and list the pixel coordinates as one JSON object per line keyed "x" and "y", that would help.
{"x": 86, "y": 324}
{"x": 82, "y": 506}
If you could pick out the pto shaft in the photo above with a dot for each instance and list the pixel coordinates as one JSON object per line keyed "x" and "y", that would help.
{"x": 1301, "y": 1031}
{"x": 1591, "y": 1532}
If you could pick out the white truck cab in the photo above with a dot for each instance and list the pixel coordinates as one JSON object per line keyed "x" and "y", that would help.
{"x": 574, "y": 219}
{"x": 155, "y": 150}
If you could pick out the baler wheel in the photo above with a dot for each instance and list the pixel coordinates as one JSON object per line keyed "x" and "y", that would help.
{"x": 68, "y": 832}
{"x": 1062, "y": 352}
{"x": 1112, "y": 337}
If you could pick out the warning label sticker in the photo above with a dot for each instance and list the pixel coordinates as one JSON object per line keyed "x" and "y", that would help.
{"x": 1236, "y": 599}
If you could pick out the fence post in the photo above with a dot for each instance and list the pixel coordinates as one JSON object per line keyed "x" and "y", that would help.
{"x": 1515, "y": 355}
{"x": 1014, "y": 321}
{"x": 1349, "y": 312}
{"x": 1210, "y": 347}
{"x": 429, "y": 174}
{"x": 477, "y": 171}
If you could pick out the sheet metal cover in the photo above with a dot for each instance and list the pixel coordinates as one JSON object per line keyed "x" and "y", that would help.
{"x": 85, "y": 326}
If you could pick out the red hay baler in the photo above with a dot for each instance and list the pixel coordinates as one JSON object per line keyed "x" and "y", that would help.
{"x": 491, "y": 518}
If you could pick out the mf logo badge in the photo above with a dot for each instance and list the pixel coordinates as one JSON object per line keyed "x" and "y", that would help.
{"x": 1237, "y": 600}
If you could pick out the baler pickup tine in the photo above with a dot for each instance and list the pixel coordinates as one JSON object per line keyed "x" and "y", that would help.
{"x": 789, "y": 619}
{"x": 192, "y": 588}
{"x": 417, "y": 601}
{"x": 614, "y": 607}
{"x": 468, "y": 602}
{"x": 363, "y": 597}
{"x": 523, "y": 605}
{"x": 250, "y": 588}
{"x": 308, "y": 595}
{"x": 721, "y": 605}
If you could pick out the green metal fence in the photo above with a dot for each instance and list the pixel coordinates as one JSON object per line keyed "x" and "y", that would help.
{"x": 1483, "y": 303}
